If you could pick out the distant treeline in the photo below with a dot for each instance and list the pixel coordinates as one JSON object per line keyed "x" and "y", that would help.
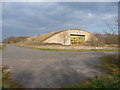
{"x": 105, "y": 39}
{"x": 11, "y": 40}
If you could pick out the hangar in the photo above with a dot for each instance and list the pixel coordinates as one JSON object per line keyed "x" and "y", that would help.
{"x": 64, "y": 37}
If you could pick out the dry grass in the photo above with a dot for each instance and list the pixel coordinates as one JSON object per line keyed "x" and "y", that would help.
{"x": 2, "y": 46}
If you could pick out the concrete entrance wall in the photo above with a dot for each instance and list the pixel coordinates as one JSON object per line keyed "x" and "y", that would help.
{"x": 63, "y": 37}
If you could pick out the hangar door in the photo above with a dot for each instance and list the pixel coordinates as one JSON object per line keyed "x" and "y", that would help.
{"x": 77, "y": 39}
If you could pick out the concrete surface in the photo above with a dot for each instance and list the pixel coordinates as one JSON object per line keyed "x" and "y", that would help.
{"x": 51, "y": 69}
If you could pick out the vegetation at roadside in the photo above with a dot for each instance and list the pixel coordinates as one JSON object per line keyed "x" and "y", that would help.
{"x": 7, "y": 81}
{"x": 81, "y": 50}
{"x": 2, "y": 46}
{"x": 111, "y": 80}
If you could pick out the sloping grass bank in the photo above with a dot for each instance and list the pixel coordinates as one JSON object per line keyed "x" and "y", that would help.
{"x": 111, "y": 80}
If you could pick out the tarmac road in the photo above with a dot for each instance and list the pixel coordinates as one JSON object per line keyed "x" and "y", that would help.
{"x": 50, "y": 69}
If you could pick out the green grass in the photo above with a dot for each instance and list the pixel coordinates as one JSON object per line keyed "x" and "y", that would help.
{"x": 111, "y": 80}
{"x": 81, "y": 50}
{"x": 103, "y": 81}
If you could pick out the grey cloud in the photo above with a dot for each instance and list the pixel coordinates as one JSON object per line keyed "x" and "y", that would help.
{"x": 30, "y": 18}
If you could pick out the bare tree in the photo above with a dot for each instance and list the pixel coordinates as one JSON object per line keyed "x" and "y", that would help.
{"x": 64, "y": 36}
{"x": 100, "y": 37}
{"x": 93, "y": 41}
{"x": 111, "y": 34}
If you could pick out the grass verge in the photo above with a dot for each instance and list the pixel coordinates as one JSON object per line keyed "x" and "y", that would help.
{"x": 111, "y": 80}
{"x": 6, "y": 81}
{"x": 81, "y": 50}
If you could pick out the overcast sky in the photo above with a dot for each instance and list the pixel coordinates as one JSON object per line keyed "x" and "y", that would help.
{"x": 29, "y": 19}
